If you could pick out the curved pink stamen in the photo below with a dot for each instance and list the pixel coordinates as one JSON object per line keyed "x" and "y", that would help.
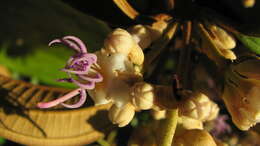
{"x": 89, "y": 85}
{"x": 98, "y": 78}
{"x": 83, "y": 97}
{"x": 54, "y": 41}
{"x": 59, "y": 100}
{"x": 78, "y": 41}
{"x": 71, "y": 45}
{"x": 67, "y": 43}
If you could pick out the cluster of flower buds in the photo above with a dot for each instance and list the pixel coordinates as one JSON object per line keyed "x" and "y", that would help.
{"x": 216, "y": 43}
{"x": 109, "y": 75}
{"x": 242, "y": 92}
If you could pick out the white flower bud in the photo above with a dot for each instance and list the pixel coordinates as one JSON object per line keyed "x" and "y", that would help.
{"x": 141, "y": 35}
{"x": 142, "y": 95}
{"x": 121, "y": 116}
{"x": 199, "y": 106}
{"x": 119, "y": 41}
{"x": 136, "y": 55}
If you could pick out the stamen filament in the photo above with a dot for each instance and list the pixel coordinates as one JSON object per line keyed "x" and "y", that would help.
{"x": 59, "y": 100}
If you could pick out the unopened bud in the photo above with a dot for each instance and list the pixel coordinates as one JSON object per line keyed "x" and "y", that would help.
{"x": 121, "y": 116}
{"x": 222, "y": 39}
{"x": 142, "y": 95}
{"x": 141, "y": 35}
{"x": 136, "y": 55}
{"x": 216, "y": 43}
{"x": 119, "y": 41}
{"x": 199, "y": 106}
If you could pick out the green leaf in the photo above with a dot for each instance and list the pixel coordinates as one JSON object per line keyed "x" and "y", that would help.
{"x": 30, "y": 25}
{"x": 252, "y": 43}
{"x": 42, "y": 64}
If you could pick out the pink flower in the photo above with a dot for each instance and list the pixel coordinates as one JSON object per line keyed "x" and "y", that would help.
{"x": 82, "y": 69}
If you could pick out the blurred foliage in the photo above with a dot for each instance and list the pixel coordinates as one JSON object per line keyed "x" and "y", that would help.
{"x": 252, "y": 43}
{"x": 28, "y": 27}
{"x": 2, "y": 141}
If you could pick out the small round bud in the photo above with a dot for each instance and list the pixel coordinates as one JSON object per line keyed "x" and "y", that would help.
{"x": 119, "y": 41}
{"x": 121, "y": 116}
{"x": 142, "y": 95}
{"x": 136, "y": 55}
{"x": 141, "y": 35}
{"x": 199, "y": 106}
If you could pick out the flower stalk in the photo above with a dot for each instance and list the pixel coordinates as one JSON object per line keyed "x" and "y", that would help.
{"x": 168, "y": 130}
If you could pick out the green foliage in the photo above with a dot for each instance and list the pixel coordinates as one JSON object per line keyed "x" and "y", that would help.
{"x": 28, "y": 28}
{"x": 43, "y": 64}
{"x": 2, "y": 141}
{"x": 252, "y": 43}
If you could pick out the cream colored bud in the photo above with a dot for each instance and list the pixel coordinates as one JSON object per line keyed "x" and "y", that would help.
{"x": 193, "y": 138}
{"x": 199, "y": 106}
{"x": 248, "y": 3}
{"x": 121, "y": 116}
{"x": 136, "y": 55}
{"x": 216, "y": 43}
{"x": 222, "y": 39}
{"x": 119, "y": 41}
{"x": 142, "y": 95}
{"x": 141, "y": 35}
